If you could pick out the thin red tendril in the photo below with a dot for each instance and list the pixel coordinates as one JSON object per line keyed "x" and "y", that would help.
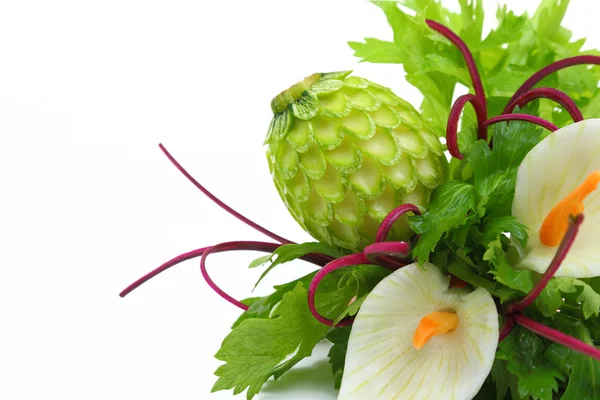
{"x": 235, "y": 246}
{"x": 547, "y": 93}
{"x": 454, "y": 117}
{"x": 346, "y": 261}
{"x": 522, "y": 96}
{"x": 221, "y": 204}
{"x": 394, "y": 255}
{"x": 392, "y": 217}
{"x": 171, "y": 263}
{"x": 509, "y": 323}
{"x": 522, "y": 117}
{"x": 391, "y": 255}
{"x": 472, "y": 67}
{"x": 514, "y": 311}
{"x": 557, "y": 336}
{"x": 556, "y": 66}
{"x": 559, "y": 257}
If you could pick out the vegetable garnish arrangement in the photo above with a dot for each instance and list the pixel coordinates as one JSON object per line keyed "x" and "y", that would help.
{"x": 474, "y": 278}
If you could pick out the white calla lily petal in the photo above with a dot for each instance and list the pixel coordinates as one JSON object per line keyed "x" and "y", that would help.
{"x": 382, "y": 363}
{"x": 552, "y": 170}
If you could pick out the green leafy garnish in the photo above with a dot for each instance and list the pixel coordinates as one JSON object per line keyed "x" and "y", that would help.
{"x": 337, "y": 354}
{"x": 290, "y": 252}
{"x": 450, "y": 207}
{"x": 524, "y": 353}
{"x": 259, "y": 348}
{"x": 516, "y": 48}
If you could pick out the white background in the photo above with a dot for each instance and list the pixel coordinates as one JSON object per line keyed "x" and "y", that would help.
{"x": 88, "y": 203}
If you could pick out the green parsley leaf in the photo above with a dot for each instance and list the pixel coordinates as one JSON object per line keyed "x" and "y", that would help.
{"x": 521, "y": 280}
{"x": 580, "y": 293}
{"x": 524, "y": 353}
{"x": 501, "y": 377}
{"x": 337, "y": 354}
{"x": 495, "y": 226}
{"x": 583, "y": 371}
{"x": 509, "y": 30}
{"x": 495, "y": 171}
{"x": 550, "y": 299}
{"x": 378, "y": 51}
{"x": 451, "y": 206}
{"x": 260, "y": 307}
{"x": 259, "y": 348}
{"x": 358, "y": 281}
{"x": 516, "y": 47}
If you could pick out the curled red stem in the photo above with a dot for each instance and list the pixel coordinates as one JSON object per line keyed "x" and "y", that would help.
{"x": 391, "y": 255}
{"x": 232, "y": 246}
{"x": 509, "y": 322}
{"x": 473, "y": 72}
{"x": 559, "y": 257}
{"x": 346, "y": 261}
{"x": 392, "y": 217}
{"x": 557, "y": 336}
{"x": 556, "y": 66}
{"x": 221, "y": 204}
{"x": 245, "y": 245}
{"x": 522, "y": 117}
{"x": 171, "y": 263}
{"x": 454, "y": 117}
{"x": 548, "y": 93}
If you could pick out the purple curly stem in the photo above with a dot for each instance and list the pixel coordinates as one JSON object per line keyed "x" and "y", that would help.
{"x": 391, "y": 255}
{"x": 559, "y": 257}
{"x": 346, "y": 261}
{"x": 522, "y": 117}
{"x": 472, "y": 67}
{"x": 509, "y": 322}
{"x": 232, "y": 246}
{"x": 235, "y": 246}
{"x": 544, "y": 72}
{"x": 171, "y": 263}
{"x": 548, "y": 93}
{"x": 454, "y": 117}
{"x": 558, "y": 337}
{"x": 221, "y": 204}
{"x": 386, "y": 225}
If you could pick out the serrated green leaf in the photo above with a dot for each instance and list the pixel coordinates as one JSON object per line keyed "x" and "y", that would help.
{"x": 450, "y": 206}
{"x": 524, "y": 353}
{"x": 495, "y": 171}
{"x": 550, "y": 299}
{"x": 517, "y": 45}
{"x": 583, "y": 371}
{"x": 379, "y": 51}
{"x": 259, "y": 348}
{"x": 339, "y": 337}
{"x": 501, "y": 377}
{"x": 510, "y": 29}
{"x": 521, "y": 280}
{"x": 495, "y": 226}
{"x": 581, "y": 293}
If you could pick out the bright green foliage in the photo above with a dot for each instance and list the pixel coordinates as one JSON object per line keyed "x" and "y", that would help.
{"x": 516, "y": 48}
{"x": 260, "y": 348}
{"x": 278, "y": 330}
{"x": 344, "y": 152}
{"x": 537, "y": 377}
{"x": 289, "y": 252}
{"x": 337, "y": 354}
{"x": 450, "y": 209}
{"x": 495, "y": 171}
